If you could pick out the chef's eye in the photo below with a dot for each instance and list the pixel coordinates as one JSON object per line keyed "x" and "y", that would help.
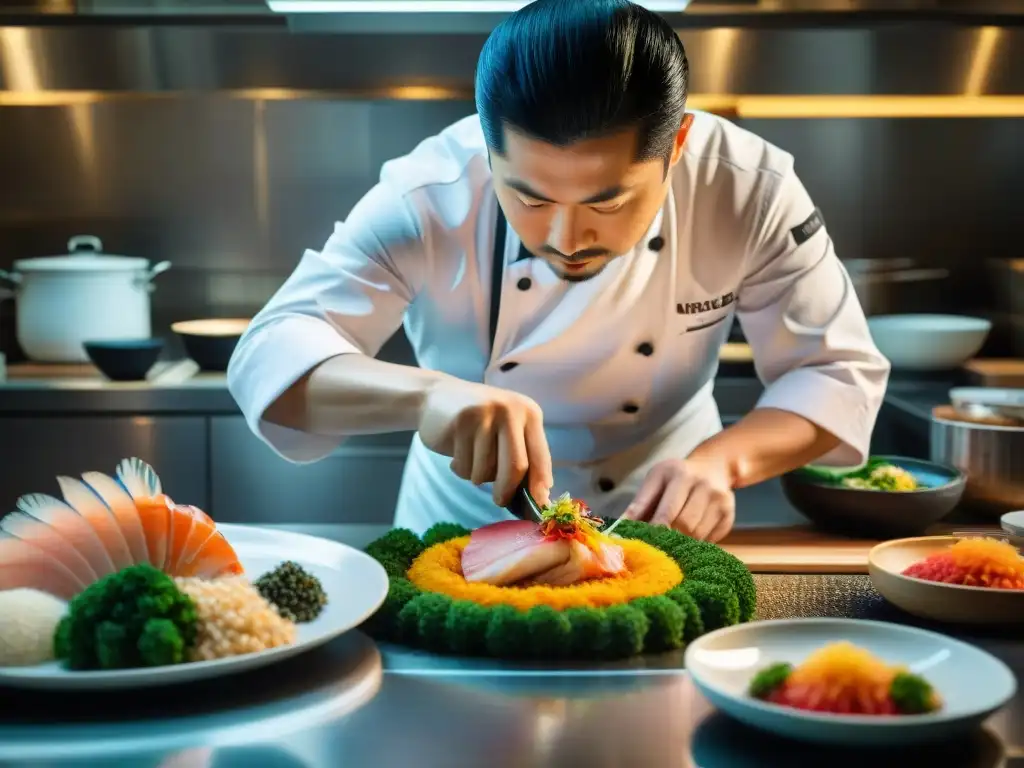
{"x": 608, "y": 207}
{"x": 531, "y": 203}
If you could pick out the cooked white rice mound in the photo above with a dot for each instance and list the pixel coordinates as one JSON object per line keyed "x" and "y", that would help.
{"x": 28, "y": 620}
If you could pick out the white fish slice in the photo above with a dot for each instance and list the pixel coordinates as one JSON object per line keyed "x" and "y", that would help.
{"x": 121, "y": 504}
{"x": 26, "y": 566}
{"x": 139, "y": 479}
{"x": 49, "y": 539}
{"x": 79, "y": 496}
{"x": 73, "y": 526}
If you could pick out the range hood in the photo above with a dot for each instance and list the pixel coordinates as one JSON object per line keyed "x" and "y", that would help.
{"x": 480, "y": 16}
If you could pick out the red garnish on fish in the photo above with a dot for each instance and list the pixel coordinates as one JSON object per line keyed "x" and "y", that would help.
{"x": 564, "y": 548}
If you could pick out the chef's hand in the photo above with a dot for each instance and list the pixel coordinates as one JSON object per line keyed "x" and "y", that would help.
{"x": 692, "y": 497}
{"x": 492, "y": 435}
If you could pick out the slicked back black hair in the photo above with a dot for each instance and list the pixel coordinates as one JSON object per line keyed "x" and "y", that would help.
{"x": 566, "y": 70}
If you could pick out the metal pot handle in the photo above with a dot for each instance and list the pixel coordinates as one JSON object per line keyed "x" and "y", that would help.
{"x": 146, "y": 279}
{"x": 11, "y": 277}
{"x": 89, "y": 243}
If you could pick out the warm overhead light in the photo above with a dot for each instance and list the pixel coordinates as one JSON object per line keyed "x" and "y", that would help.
{"x": 434, "y": 6}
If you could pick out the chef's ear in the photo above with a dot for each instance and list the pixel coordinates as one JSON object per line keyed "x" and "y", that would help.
{"x": 680, "y": 142}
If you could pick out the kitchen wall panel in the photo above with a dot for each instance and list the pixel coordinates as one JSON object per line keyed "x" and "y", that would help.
{"x": 147, "y": 138}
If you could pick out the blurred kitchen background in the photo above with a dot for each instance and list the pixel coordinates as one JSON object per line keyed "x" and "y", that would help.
{"x": 227, "y": 137}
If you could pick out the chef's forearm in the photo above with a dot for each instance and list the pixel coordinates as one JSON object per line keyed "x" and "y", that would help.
{"x": 354, "y": 394}
{"x": 765, "y": 443}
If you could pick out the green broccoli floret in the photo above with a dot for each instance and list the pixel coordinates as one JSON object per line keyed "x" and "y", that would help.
{"x": 442, "y": 532}
{"x": 393, "y": 566}
{"x": 719, "y": 606}
{"x": 466, "y": 627}
{"x": 667, "y": 623}
{"x": 736, "y": 578}
{"x": 913, "y": 695}
{"x": 432, "y": 610}
{"x": 383, "y": 625}
{"x": 590, "y": 635}
{"x": 627, "y": 628}
{"x": 508, "y": 633}
{"x": 769, "y": 678}
{"x": 161, "y": 643}
{"x": 550, "y": 632}
{"x": 136, "y": 617}
{"x": 400, "y": 544}
{"x": 694, "y": 624}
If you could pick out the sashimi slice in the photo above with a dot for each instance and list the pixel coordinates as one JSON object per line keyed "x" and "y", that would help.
{"x": 26, "y": 566}
{"x": 182, "y": 523}
{"x": 139, "y": 479}
{"x": 215, "y": 558}
{"x": 510, "y": 551}
{"x": 73, "y": 526}
{"x": 79, "y": 496}
{"x": 200, "y": 529}
{"x": 155, "y": 515}
{"x": 20, "y": 525}
{"x": 585, "y": 563}
{"x": 120, "y": 503}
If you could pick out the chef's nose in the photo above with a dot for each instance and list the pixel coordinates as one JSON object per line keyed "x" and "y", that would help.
{"x": 567, "y": 235}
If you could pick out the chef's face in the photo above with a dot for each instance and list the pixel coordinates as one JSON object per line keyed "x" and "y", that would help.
{"x": 579, "y": 207}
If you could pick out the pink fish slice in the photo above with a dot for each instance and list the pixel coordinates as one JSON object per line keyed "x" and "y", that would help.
{"x": 73, "y": 526}
{"x": 49, "y": 539}
{"x": 121, "y": 504}
{"x": 25, "y": 566}
{"x": 79, "y": 496}
{"x": 510, "y": 551}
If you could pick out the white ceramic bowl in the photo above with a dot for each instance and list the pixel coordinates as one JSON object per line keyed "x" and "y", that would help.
{"x": 928, "y": 342}
{"x": 972, "y": 683}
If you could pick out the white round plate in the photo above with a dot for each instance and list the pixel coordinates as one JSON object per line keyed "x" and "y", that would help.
{"x": 355, "y": 583}
{"x": 1013, "y": 522}
{"x": 972, "y": 683}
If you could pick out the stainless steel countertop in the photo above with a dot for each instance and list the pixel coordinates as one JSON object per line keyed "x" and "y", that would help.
{"x": 354, "y": 703}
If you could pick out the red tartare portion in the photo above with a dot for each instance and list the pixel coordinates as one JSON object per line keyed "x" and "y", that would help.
{"x": 973, "y": 563}
{"x": 842, "y": 679}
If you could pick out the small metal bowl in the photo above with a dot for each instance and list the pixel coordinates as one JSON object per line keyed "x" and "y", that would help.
{"x": 871, "y": 514}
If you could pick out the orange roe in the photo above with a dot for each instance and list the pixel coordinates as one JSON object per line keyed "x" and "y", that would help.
{"x": 649, "y": 572}
{"x": 980, "y": 562}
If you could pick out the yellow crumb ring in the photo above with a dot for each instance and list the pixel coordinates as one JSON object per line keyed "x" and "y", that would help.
{"x": 649, "y": 572}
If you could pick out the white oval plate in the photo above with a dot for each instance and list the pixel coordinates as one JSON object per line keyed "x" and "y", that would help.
{"x": 972, "y": 683}
{"x": 355, "y": 583}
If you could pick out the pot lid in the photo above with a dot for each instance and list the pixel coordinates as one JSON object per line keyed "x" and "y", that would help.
{"x": 85, "y": 255}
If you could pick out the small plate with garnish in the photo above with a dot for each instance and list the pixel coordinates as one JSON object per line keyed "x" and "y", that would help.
{"x": 973, "y": 579}
{"x": 849, "y": 682}
{"x": 889, "y": 497}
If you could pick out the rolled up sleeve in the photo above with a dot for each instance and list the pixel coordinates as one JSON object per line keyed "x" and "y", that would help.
{"x": 806, "y": 328}
{"x": 348, "y": 298}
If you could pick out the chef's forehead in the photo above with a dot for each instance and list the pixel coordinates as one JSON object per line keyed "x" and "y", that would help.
{"x": 596, "y": 161}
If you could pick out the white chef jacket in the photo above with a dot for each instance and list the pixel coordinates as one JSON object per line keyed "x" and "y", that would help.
{"x": 623, "y": 365}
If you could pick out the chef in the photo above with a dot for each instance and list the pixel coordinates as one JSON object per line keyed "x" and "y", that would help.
{"x": 567, "y": 264}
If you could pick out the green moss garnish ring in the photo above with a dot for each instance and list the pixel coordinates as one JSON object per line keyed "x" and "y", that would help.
{"x": 717, "y": 590}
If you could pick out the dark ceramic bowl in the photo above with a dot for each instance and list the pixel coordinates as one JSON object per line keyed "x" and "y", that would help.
{"x": 126, "y": 359}
{"x": 878, "y": 514}
{"x": 210, "y": 343}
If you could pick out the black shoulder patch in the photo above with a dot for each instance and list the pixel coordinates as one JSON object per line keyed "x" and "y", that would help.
{"x": 804, "y": 232}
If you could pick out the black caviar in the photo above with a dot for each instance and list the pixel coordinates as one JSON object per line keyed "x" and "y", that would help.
{"x": 297, "y": 594}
